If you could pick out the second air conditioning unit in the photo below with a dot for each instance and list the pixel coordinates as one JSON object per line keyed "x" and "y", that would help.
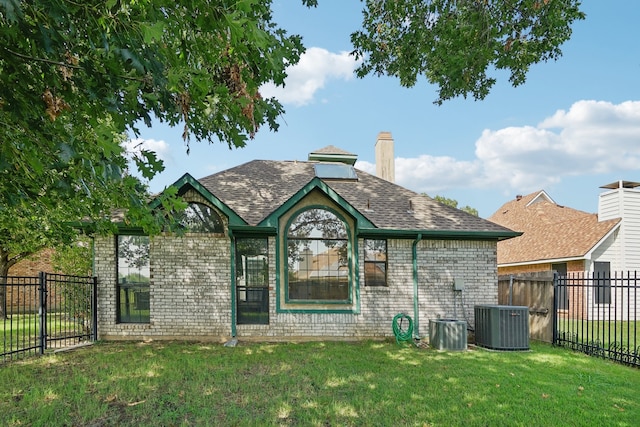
{"x": 502, "y": 327}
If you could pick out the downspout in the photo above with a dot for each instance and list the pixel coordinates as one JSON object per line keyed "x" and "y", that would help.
{"x": 233, "y": 284}
{"x": 416, "y": 329}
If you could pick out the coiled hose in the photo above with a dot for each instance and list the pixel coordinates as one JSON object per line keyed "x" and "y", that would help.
{"x": 401, "y": 331}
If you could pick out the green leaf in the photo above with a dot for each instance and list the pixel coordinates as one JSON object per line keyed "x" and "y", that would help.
{"x": 153, "y": 32}
{"x": 11, "y": 9}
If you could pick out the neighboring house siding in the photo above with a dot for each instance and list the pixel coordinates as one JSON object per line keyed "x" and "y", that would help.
{"x": 529, "y": 268}
{"x": 609, "y": 206}
{"x": 608, "y": 251}
{"x": 26, "y": 297}
{"x": 625, "y": 204}
{"x": 33, "y": 264}
{"x": 572, "y": 267}
{"x": 631, "y": 229}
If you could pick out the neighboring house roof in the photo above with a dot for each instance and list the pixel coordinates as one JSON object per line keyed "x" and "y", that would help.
{"x": 255, "y": 190}
{"x": 550, "y": 231}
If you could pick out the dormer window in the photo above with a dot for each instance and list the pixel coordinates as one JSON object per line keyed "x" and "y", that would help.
{"x": 200, "y": 218}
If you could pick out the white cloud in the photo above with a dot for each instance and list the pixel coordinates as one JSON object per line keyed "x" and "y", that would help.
{"x": 161, "y": 148}
{"x": 592, "y": 137}
{"x": 308, "y": 76}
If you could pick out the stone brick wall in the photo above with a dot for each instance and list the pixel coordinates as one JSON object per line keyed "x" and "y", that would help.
{"x": 439, "y": 263}
{"x": 191, "y": 291}
{"x": 33, "y": 264}
{"x": 22, "y": 297}
{"x": 572, "y": 266}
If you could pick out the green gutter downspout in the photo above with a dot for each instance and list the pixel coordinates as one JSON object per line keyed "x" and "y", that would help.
{"x": 233, "y": 284}
{"x": 416, "y": 329}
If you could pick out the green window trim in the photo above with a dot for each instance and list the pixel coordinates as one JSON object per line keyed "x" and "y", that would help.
{"x": 251, "y": 268}
{"x": 375, "y": 263}
{"x": 318, "y": 303}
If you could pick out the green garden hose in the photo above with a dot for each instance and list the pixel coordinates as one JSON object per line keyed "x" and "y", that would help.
{"x": 402, "y": 333}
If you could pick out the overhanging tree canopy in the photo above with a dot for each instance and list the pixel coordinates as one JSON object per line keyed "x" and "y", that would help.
{"x": 458, "y": 44}
{"x": 75, "y": 75}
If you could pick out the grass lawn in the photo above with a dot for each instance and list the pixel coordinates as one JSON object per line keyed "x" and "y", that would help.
{"x": 316, "y": 384}
{"x": 623, "y": 333}
{"x": 22, "y": 330}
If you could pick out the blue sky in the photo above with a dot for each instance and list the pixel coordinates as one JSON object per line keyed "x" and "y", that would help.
{"x": 572, "y": 127}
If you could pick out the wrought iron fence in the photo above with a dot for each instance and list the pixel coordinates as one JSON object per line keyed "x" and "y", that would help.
{"x": 50, "y": 311}
{"x": 598, "y": 314}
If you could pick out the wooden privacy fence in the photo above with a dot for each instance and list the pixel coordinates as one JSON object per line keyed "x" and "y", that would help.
{"x": 533, "y": 290}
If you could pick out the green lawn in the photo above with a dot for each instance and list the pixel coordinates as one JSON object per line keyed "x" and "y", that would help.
{"x": 316, "y": 384}
{"x": 22, "y": 330}
{"x": 623, "y": 333}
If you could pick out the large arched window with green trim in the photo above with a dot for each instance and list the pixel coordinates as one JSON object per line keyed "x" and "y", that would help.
{"x": 200, "y": 218}
{"x": 318, "y": 257}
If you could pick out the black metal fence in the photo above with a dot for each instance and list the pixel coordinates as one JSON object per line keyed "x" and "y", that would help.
{"x": 598, "y": 314}
{"x": 51, "y": 311}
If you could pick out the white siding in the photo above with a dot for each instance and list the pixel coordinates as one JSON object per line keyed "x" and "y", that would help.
{"x": 622, "y": 203}
{"x": 609, "y": 250}
{"x": 609, "y": 205}
{"x": 631, "y": 229}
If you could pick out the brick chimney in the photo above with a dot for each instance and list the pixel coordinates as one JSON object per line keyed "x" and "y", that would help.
{"x": 385, "y": 168}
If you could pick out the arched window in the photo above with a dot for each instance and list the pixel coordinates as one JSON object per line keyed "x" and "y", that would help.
{"x": 200, "y": 218}
{"x": 318, "y": 259}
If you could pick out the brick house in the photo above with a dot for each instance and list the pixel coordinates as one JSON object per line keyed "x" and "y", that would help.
{"x": 296, "y": 249}
{"x": 554, "y": 237}
{"x": 569, "y": 241}
{"x": 32, "y": 265}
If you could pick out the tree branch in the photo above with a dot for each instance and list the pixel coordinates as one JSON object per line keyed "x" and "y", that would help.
{"x": 64, "y": 64}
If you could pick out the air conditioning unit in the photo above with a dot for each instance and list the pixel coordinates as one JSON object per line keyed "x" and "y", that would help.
{"x": 502, "y": 327}
{"x": 448, "y": 334}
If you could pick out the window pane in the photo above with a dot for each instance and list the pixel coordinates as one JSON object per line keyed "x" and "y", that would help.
{"x": 252, "y": 281}
{"x": 133, "y": 279}
{"x": 375, "y": 262}
{"x": 317, "y": 223}
{"x": 318, "y": 266}
{"x": 200, "y": 218}
{"x": 335, "y": 170}
{"x": 602, "y": 283}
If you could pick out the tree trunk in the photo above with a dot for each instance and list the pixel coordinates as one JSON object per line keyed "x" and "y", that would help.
{"x": 4, "y": 272}
{"x": 6, "y": 262}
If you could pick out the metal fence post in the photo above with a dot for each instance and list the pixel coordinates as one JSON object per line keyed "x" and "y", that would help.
{"x": 554, "y": 340}
{"x": 42, "y": 312}
{"x": 94, "y": 308}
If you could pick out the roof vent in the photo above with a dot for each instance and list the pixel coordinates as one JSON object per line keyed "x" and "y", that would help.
{"x": 334, "y": 155}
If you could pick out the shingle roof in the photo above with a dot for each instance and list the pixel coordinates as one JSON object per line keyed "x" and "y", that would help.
{"x": 550, "y": 231}
{"x": 330, "y": 149}
{"x": 256, "y": 189}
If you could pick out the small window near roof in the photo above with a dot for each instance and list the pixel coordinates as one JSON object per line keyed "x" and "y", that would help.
{"x": 335, "y": 171}
{"x": 375, "y": 262}
{"x": 200, "y": 218}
